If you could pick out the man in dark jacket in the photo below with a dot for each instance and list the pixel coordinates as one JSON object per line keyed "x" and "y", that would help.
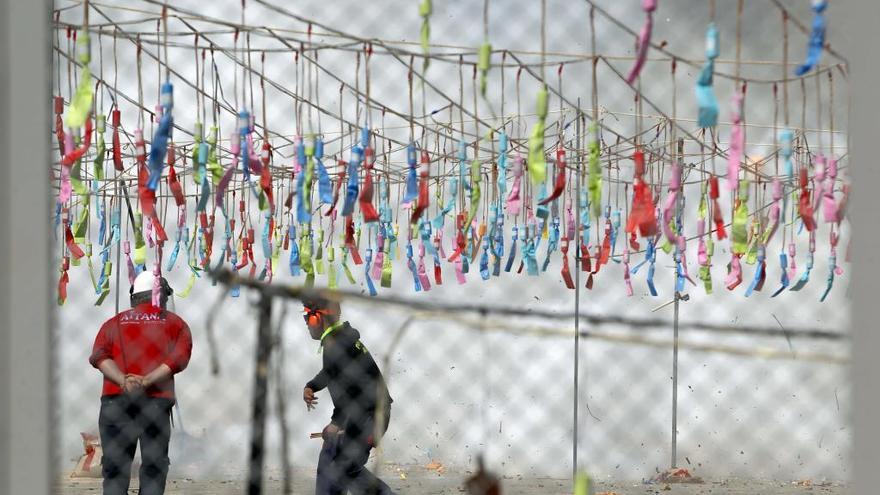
{"x": 361, "y": 403}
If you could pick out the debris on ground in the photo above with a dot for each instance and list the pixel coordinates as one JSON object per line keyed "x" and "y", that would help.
{"x": 89, "y": 464}
{"x": 675, "y": 475}
{"x": 435, "y": 466}
{"x": 401, "y": 473}
{"x": 809, "y": 482}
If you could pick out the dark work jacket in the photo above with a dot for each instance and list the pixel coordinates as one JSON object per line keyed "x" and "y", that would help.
{"x": 355, "y": 382}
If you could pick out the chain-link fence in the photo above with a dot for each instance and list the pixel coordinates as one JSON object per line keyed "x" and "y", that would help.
{"x": 489, "y": 370}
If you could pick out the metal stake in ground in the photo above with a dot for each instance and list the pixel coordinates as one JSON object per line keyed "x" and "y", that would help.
{"x": 260, "y": 395}
{"x": 674, "y": 302}
{"x": 675, "y": 382}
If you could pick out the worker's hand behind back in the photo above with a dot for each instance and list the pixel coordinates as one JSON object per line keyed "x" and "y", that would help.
{"x": 134, "y": 384}
{"x": 309, "y": 398}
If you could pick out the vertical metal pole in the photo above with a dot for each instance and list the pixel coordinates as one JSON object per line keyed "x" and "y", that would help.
{"x": 675, "y": 382}
{"x": 676, "y": 147}
{"x": 260, "y": 395}
{"x": 118, "y": 267}
{"x": 281, "y": 402}
{"x": 679, "y": 156}
{"x": 577, "y": 292}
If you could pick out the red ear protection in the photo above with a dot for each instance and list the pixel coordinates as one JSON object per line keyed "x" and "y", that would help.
{"x": 313, "y": 317}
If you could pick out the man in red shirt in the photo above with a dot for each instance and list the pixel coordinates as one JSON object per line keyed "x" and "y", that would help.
{"x": 139, "y": 351}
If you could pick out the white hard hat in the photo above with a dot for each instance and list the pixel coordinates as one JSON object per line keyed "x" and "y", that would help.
{"x": 143, "y": 282}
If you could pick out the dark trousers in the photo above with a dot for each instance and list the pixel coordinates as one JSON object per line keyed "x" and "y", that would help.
{"x": 341, "y": 463}
{"x": 124, "y": 421}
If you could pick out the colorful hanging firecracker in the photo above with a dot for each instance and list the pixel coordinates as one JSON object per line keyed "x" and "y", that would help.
{"x": 559, "y": 183}
{"x": 705, "y": 246}
{"x": 425, "y": 11}
{"x": 100, "y": 152}
{"x": 805, "y": 277}
{"x": 717, "y": 216}
{"x": 159, "y": 145}
{"x": 829, "y": 205}
{"x": 671, "y": 204}
{"x": 423, "y": 195}
{"x": 59, "y": 123}
{"x": 737, "y": 145}
{"x": 325, "y": 187}
{"x": 706, "y": 100}
{"x": 805, "y": 207}
{"x": 817, "y": 39}
{"x": 352, "y": 189}
{"x": 775, "y": 209}
{"x": 739, "y": 235}
{"x": 644, "y": 40}
{"x": 146, "y": 196}
{"x": 366, "y": 198}
{"x": 641, "y": 217}
{"x": 514, "y": 202}
{"x": 411, "y": 192}
{"x": 304, "y": 176}
{"x": 536, "y": 161}
{"x": 81, "y": 103}
{"x": 739, "y": 230}
{"x": 476, "y": 193}
{"x": 483, "y": 64}
{"x": 760, "y": 273}
{"x": 833, "y": 267}
{"x": 594, "y": 185}
{"x": 266, "y": 173}
{"x": 173, "y": 182}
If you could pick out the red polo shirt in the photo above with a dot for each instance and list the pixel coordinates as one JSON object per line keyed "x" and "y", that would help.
{"x": 140, "y": 339}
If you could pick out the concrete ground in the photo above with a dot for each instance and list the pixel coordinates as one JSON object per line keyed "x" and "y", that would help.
{"x": 420, "y": 481}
